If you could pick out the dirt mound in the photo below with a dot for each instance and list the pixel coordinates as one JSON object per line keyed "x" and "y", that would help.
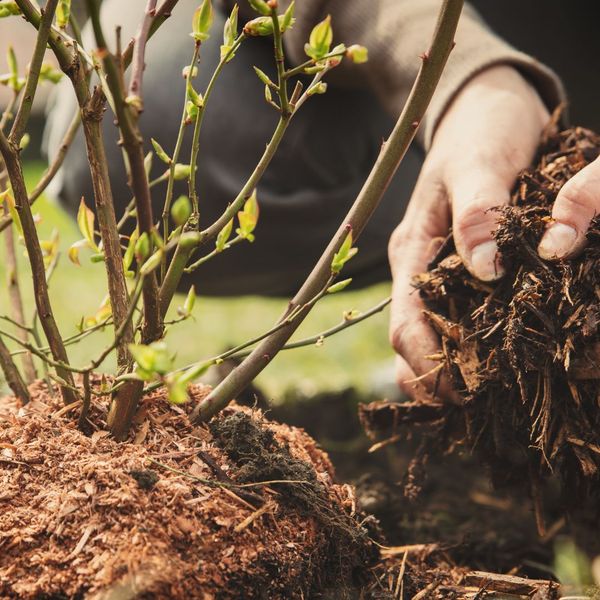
{"x": 525, "y": 352}
{"x": 179, "y": 511}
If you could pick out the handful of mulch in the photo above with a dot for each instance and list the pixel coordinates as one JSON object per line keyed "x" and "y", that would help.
{"x": 523, "y": 352}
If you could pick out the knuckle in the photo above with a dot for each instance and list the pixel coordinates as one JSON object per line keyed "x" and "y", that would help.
{"x": 475, "y": 221}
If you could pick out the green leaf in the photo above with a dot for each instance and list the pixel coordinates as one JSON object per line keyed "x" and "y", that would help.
{"x": 152, "y": 263}
{"x": 264, "y": 77}
{"x": 181, "y": 210}
{"x": 130, "y": 250}
{"x": 288, "y": 17}
{"x": 320, "y": 39}
{"x": 196, "y": 371}
{"x": 148, "y": 163}
{"x": 73, "y": 252}
{"x": 191, "y": 110}
{"x": 344, "y": 254}
{"x": 85, "y": 222}
{"x": 230, "y": 33}
{"x": 190, "y": 300}
{"x": 339, "y": 286}
{"x": 357, "y": 54}
{"x": 260, "y": 6}
{"x": 318, "y": 88}
{"x": 268, "y": 95}
{"x": 181, "y": 171}
{"x": 24, "y": 142}
{"x": 141, "y": 248}
{"x": 202, "y": 21}
{"x": 152, "y": 360}
{"x": 8, "y": 9}
{"x": 160, "y": 152}
{"x": 224, "y": 236}
{"x": 176, "y": 390}
{"x": 248, "y": 218}
{"x": 63, "y": 13}
{"x": 49, "y": 73}
{"x": 260, "y": 26}
{"x": 193, "y": 95}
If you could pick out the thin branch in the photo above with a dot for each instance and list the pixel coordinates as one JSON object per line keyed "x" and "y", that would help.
{"x": 387, "y": 163}
{"x": 10, "y": 153}
{"x": 345, "y": 324}
{"x": 52, "y": 169}
{"x": 12, "y": 375}
{"x": 131, "y": 140}
{"x": 174, "y": 160}
{"x": 16, "y": 301}
{"x": 33, "y": 76}
{"x": 139, "y": 51}
{"x": 182, "y": 254}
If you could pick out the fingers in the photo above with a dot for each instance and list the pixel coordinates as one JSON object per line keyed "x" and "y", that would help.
{"x": 409, "y": 383}
{"x": 488, "y": 135}
{"x": 474, "y": 222}
{"x": 576, "y": 205}
{"x": 411, "y": 248}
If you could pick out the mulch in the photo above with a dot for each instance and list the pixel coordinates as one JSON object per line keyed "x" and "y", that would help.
{"x": 524, "y": 353}
{"x": 173, "y": 512}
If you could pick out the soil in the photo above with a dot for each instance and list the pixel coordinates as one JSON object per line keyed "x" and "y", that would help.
{"x": 244, "y": 508}
{"x": 524, "y": 354}
{"x": 459, "y": 534}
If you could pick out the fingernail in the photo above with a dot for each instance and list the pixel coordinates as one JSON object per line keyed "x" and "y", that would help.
{"x": 485, "y": 262}
{"x": 558, "y": 241}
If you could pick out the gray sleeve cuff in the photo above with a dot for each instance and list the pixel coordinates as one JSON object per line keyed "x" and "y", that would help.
{"x": 477, "y": 49}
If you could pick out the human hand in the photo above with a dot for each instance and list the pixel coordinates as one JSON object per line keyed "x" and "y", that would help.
{"x": 489, "y": 134}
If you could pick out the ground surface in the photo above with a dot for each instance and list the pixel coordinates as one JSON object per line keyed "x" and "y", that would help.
{"x": 241, "y": 509}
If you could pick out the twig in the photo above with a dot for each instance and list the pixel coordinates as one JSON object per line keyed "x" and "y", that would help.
{"x": 12, "y": 375}
{"x": 10, "y": 153}
{"x": 33, "y": 76}
{"x": 183, "y": 252}
{"x": 52, "y": 169}
{"x": 139, "y": 51}
{"x": 16, "y": 301}
{"x": 391, "y": 154}
{"x": 131, "y": 140}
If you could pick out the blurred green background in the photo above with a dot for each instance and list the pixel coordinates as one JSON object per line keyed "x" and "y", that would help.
{"x": 353, "y": 357}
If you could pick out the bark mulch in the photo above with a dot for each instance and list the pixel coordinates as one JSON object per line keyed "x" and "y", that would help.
{"x": 178, "y": 511}
{"x": 524, "y": 353}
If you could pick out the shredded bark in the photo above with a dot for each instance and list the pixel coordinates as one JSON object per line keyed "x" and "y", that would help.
{"x": 172, "y": 513}
{"x": 525, "y": 352}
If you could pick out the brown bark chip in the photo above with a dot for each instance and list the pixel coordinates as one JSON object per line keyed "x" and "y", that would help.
{"x": 174, "y": 513}
{"x": 524, "y": 352}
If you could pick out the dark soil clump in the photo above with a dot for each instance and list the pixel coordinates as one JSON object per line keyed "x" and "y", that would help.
{"x": 260, "y": 457}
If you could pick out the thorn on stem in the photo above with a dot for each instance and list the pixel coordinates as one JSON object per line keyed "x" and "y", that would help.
{"x": 415, "y": 124}
{"x": 424, "y": 56}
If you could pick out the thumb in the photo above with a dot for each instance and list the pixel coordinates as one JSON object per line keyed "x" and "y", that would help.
{"x": 474, "y": 221}
{"x": 576, "y": 205}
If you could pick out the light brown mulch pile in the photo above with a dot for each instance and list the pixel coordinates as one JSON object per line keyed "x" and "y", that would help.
{"x": 174, "y": 513}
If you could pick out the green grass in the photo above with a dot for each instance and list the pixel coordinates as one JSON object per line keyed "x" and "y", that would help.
{"x": 345, "y": 359}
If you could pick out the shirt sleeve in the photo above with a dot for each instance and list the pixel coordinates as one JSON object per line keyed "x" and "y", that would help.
{"x": 396, "y": 32}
